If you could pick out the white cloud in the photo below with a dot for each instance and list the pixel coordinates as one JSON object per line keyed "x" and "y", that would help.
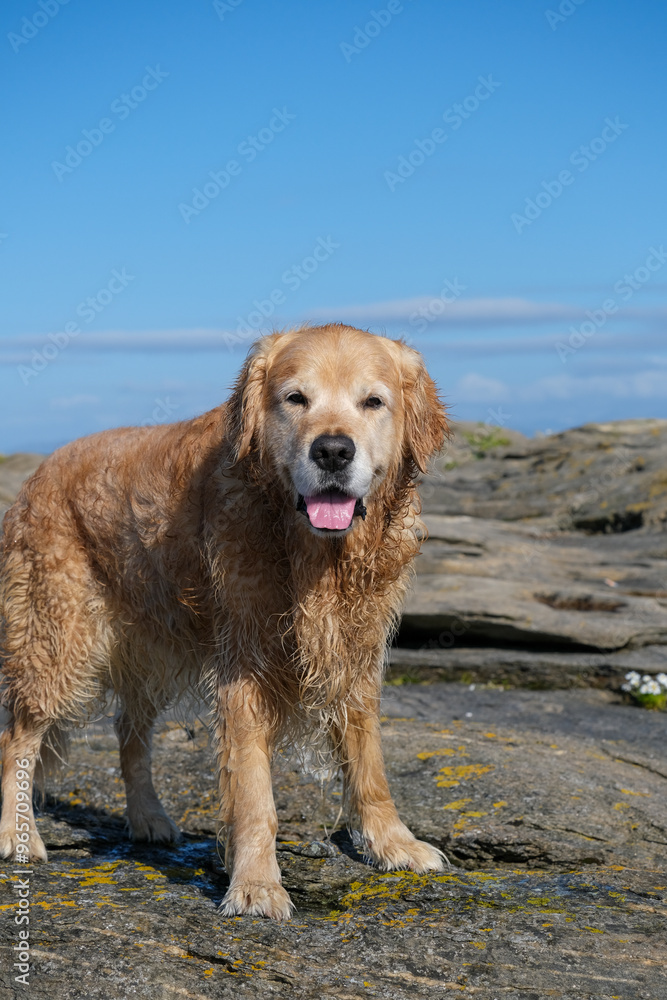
{"x": 482, "y": 312}
{"x": 69, "y": 402}
{"x": 474, "y": 388}
{"x": 197, "y": 339}
{"x": 638, "y": 385}
{"x": 478, "y": 312}
{"x": 492, "y": 314}
{"x": 540, "y": 344}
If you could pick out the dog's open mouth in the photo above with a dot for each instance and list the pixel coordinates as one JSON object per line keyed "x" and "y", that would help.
{"x": 331, "y": 510}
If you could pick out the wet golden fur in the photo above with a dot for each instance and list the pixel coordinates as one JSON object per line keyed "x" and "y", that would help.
{"x": 151, "y": 560}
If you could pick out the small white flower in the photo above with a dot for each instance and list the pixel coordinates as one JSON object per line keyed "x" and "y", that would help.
{"x": 633, "y": 679}
{"x": 662, "y": 680}
{"x": 650, "y": 687}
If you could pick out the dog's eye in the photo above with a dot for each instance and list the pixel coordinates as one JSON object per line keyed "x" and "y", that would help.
{"x": 373, "y": 403}
{"x": 297, "y": 398}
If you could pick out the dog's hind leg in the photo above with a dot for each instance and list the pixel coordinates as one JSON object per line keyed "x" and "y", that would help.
{"x": 54, "y": 649}
{"x": 145, "y": 814}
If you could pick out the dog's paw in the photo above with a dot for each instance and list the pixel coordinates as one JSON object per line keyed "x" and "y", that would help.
{"x": 257, "y": 900}
{"x": 9, "y": 840}
{"x": 154, "y": 826}
{"x": 406, "y": 853}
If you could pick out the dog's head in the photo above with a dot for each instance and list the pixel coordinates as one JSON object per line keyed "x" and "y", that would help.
{"x": 333, "y": 411}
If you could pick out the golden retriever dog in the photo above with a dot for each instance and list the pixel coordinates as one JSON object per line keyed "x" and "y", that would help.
{"x": 263, "y": 550}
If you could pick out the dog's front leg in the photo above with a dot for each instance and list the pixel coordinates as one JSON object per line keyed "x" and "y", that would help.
{"x": 388, "y": 841}
{"x": 248, "y": 812}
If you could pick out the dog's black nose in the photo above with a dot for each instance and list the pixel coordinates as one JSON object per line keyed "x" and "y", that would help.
{"x": 332, "y": 452}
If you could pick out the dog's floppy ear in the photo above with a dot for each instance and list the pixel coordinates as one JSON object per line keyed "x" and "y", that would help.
{"x": 425, "y": 425}
{"x": 245, "y": 410}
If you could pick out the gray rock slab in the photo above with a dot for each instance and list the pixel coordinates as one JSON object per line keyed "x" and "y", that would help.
{"x": 599, "y": 477}
{"x": 517, "y": 583}
{"x": 550, "y": 806}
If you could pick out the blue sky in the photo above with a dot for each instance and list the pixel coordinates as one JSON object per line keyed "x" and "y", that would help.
{"x": 483, "y": 178}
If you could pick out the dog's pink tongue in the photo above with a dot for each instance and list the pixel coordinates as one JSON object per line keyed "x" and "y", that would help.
{"x": 325, "y": 511}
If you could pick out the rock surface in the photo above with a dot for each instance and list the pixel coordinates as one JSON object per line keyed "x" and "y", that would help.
{"x": 555, "y": 546}
{"x": 550, "y": 806}
{"x": 516, "y": 584}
